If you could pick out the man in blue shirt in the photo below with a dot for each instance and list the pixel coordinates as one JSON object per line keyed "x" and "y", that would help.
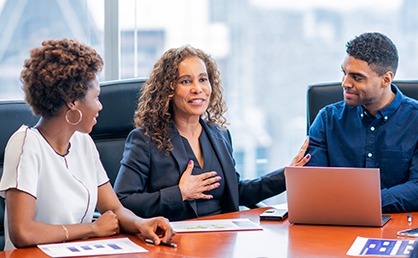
{"x": 376, "y": 126}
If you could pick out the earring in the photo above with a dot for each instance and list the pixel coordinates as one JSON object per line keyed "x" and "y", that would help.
{"x": 79, "y": 120}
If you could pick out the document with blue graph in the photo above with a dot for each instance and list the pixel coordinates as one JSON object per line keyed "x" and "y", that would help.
{"x": 363, "y": 246}
{"x": 95, "y": 247}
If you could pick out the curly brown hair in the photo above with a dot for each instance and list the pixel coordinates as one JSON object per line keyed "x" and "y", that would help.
{"x": 57, "y": 73}
{"x": 155, "y": 113}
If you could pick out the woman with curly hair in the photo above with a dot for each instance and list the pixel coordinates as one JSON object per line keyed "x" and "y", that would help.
{"x": 178, "y": 162}
{"x": 52, "y": 177}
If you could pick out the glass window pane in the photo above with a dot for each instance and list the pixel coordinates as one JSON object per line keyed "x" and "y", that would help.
{"x": 25, "y": 24}
{"x": 268, "y": 51}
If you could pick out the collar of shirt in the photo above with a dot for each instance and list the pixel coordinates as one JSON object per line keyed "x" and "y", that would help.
{"x": 389, "y": 109}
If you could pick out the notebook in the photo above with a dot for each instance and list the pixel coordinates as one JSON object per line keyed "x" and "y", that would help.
{"x": 334, "y": 196}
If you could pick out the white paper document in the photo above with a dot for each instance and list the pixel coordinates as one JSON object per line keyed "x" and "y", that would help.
{"x": 214, "y": 225}
{"x": 95, "y": 247}
{"x": 381, "y": 247}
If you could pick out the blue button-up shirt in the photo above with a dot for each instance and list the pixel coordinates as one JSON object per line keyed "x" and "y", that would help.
{"x": 348, "y": 136}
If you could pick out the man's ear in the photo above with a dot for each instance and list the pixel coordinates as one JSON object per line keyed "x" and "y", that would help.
{"x": 387, "y": 78}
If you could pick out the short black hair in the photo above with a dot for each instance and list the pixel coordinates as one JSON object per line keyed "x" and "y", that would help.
{"x": 376, "y": 49}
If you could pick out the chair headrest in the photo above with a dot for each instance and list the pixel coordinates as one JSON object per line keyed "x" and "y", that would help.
{"x": 119, "y": 99}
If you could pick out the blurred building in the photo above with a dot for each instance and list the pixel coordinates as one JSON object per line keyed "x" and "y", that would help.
{"x": 25, "y": 24}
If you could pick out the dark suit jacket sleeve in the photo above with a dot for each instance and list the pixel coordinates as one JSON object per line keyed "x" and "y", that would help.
{"x": 255, "y": 190}
{"x": 131, "y": 184}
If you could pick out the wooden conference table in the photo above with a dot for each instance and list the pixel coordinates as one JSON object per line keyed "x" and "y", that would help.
{"x": 277, "y": 239}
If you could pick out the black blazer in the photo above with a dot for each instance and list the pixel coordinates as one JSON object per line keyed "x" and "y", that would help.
{"x": 147, "y": 182}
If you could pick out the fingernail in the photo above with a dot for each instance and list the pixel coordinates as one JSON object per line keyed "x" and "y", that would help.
{"x": 190, "y": 162}
{"x": 308, "y": 156}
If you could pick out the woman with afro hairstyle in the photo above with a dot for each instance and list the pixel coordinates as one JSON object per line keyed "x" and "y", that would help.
{"x": 52, "y": 177}
{"x": 179, "y": 162}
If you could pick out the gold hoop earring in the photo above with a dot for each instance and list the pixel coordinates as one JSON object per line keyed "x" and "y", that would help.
{"x": 79, "y": 120}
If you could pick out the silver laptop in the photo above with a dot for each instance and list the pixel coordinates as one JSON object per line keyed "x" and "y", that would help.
{"x": 334, "y": 196}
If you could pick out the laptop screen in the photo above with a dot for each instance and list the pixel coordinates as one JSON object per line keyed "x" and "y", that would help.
{"x": 334, "y": 195}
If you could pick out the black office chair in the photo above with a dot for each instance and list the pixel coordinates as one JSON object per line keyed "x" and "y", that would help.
{"x": 119, "y": 99}
{"x": 13, "y": 113}
{"x": 321, "y": 94}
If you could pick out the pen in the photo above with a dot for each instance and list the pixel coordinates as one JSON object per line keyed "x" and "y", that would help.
{"x": 409, "y": 217}
{"x": 149, "y": 241}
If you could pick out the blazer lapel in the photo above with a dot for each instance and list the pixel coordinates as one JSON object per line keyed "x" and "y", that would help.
{"x": 219, "y": 143}
{"x": 179, "y": 152}
{"x": 180, "y": 155}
